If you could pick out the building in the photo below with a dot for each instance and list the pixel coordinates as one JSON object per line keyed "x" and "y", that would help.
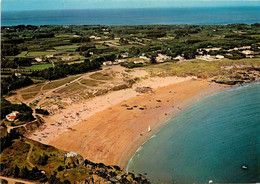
{"x": 250, "y": 56}
{"x": 12, "y": 116}
{"x": 107, "y": 63}
{"x": 180, "y": 58}
{"x": 49, "y": 56}
{"x": 144, "y": 57}
{"x": 19, "y": 75}
{"x": 248, "y": 52}
{"x": 38, "y": 59}
{"x": 244, "y": 48}
{"x": 162, "y": 58}
{"x": 206, "y": 57}
{"x": 66, "y": 58}
{"x": 219, "y": 57}
{"x": 212, "y": 49}
{"x": 139, "y": 61}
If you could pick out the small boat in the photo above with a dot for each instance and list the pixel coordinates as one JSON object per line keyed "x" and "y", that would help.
{"x": 244, "y": 167}
{"x": 149, "y": 128}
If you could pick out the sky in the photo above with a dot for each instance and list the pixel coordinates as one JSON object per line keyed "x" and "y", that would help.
{"x": 19, "y": 5}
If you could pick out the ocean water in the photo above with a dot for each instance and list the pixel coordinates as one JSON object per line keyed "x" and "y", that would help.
{"x": 200, "y": 16}
{"x": 210, "y": 140}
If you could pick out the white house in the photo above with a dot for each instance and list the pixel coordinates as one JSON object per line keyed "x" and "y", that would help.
{"x": 12, "y": 116}
{"x": 161, "y": 58}
{"x": 66, "y": 58}
{"x": 38, "y": 59}
{"x": 49, "y": 56}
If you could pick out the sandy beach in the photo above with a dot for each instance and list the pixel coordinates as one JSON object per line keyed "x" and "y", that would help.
{"x": 110, "y": 128}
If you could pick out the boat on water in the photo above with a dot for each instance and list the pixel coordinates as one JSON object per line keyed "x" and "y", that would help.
{"x": 244, "y": 167}
{"x": 149, "y": 128}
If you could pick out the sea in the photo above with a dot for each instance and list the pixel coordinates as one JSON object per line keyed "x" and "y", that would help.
{"x": 210, "y": 140}
{"x": 193, "y": 15}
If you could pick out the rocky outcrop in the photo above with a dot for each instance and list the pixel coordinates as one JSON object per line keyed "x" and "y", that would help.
{"x": 239, "y": 77}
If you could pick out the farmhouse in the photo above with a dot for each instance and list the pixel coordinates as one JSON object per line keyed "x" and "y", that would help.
{"x": 38, "y": 59}
{"x": 12, "y": 116}
{"x": 66, "y": 58}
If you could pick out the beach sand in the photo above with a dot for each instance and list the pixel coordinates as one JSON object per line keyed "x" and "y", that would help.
{"x": 112, "y": 133}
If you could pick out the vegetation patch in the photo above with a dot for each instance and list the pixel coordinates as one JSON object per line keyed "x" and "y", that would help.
{"x": 89, "y": 82}
{"x": 101, "y": 76}
{"x": 72, "y": 88}
{"x": 60, "y": 82}
{"x": 39, "y": 66}
{"x": 29, "y": 95}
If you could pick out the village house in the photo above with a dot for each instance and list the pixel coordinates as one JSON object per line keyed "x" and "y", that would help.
{"x": 180, "y": 58}
{"x": 139, "y": 61}
{"x": 38, "y": 59}
{"x": 12, "y": 116}
{"x": 144, "y": 57}
{"x": 247, "y": 52}
{"x": 162, "y": 58}
{"x": 206, "y": 57}
{"x": 107, "y": 63}
{"x": 95, "y": 37}
{"x": 120, "y": 60}
{"x": 250, "y": 56}
{"x": 219, "y": 57}
{"x": 212, "y": 49}
{"x": 49, "y": 56}
{"x": 18, "y": 75}
{"x": 66, "y": 58}
{"x": 244, "y": 48}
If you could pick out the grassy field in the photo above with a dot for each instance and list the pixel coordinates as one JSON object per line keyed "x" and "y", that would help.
{"x": 57, "y": 83}
{"x": 41, "y": 53}
{"x": 67, "y": 48}
{"x": 29, "y": 95}
{"x": 72, "y": 88}
{"x": 16, "y": 154}
{"x": 39, "y": 66}
{"x": 197, "y": 67}
{"x": 89, "y": 82}
{"x": 33, "y": 88}
{"x": 101, "y": 76}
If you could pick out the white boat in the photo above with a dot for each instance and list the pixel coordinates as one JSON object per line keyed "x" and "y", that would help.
{"x": 149, "y": 128}
{"x": 244, "y": 167}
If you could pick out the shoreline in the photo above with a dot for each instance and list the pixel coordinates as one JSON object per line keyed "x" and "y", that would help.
{"x": 124, "y": 161}
{"x": 113, "y": 135}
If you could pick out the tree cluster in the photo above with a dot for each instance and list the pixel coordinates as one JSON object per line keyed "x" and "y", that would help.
{"x": 25, "y": 112}
{"x": 13, "y": 82}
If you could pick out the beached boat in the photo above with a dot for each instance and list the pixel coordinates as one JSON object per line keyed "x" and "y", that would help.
{"x": 244, "y": 167}
{"x": 149, "y": 128}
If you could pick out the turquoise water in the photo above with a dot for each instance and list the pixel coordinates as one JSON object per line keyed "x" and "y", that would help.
{"x": 196, "y": 15}
{"x": 210, "y": 140}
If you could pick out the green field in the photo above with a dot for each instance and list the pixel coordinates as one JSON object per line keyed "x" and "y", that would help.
{"x": 39, "y": 66}
{"x": 67, "y": 48}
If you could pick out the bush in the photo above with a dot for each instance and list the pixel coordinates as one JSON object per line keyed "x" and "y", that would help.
{"x": 42, "y": 111}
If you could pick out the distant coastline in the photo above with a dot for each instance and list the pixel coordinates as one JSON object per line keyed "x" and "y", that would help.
{"x": 141, "y": 16}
